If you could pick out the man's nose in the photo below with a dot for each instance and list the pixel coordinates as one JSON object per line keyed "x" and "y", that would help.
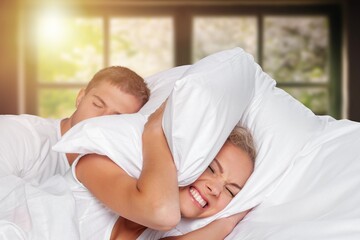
{"x": 109, "y": 111}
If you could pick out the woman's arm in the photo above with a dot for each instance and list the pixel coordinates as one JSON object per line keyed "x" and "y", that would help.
{"x": 153, "y": 199}
{"x": 216, "y": 230}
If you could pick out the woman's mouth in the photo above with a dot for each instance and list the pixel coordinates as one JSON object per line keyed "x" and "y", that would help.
{"x": 198, "y": 198}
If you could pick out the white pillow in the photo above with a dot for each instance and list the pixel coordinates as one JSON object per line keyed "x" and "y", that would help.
{"x": 119, "y": 136}
{"x": 161, "y": 84}
{"x": 280, "y": 124}
{"x": 281, "y": 127}
{"x": 205, "y": 105}
{"x": 200, "y": 114}
{"x": 319, "y": 195}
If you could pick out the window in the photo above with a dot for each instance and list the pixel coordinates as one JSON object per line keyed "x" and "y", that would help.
{"x": 69, "y": 51}
{"x": 296, "y": 54}
{"x": 299, "y": 46}
{"x": 144, "y": 44}
{"x": 213, "y": 34}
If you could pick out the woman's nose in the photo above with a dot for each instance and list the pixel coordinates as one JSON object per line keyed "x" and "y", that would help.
{"x": 215, "y": 186}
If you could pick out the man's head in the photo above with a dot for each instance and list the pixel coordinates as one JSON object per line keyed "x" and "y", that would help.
{"x": 223, "y": 179}
{"x": 112, "y": 90}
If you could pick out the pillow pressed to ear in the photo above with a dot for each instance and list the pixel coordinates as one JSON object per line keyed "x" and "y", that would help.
{"x": 161, "y": 84}
{"x": 204, "y": 106}
{"x": 281, "y": 127}
{"x": 119, "y": 136}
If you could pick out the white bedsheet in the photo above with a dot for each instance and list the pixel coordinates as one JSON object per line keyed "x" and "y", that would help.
{"x": 306, "y": 183}
{"x": 32, "y": 212}
{"x": 318, "y": 196}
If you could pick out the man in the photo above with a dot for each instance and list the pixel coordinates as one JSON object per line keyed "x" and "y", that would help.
{"x": 26, "y": 140}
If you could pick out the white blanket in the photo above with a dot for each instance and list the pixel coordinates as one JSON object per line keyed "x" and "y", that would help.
{"x": 31, "y": 212}
{"x": 306, "y": 182}
{"x": 284, "y": 130}
{"x": 318, "y": 197}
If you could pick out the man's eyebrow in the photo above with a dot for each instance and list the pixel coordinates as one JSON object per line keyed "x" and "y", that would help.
{"x": 222, "y": 171}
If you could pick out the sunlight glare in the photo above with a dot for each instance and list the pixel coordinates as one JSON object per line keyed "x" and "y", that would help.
{"x": 51, "y": 27}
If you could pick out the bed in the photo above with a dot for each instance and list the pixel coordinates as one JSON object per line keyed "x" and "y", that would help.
{"x": 306, "y": 183}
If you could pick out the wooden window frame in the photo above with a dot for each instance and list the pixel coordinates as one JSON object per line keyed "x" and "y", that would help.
{"x": 183, "y": 15}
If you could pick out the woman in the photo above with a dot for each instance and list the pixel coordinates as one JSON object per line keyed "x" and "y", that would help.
{"x": 63, "y": 208}
{"x": 153, "y": 200}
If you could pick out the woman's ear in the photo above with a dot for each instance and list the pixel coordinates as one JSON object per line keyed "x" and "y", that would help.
{"x": 79, "y": 97}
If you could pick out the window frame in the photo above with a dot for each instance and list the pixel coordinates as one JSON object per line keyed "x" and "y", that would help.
{"x": 183, "y": 14}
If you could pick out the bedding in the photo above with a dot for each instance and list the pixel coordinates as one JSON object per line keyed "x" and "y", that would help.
{"x": 283, "y": 130}
{"x": 306, "y": 182}
{"x": 318, "y": 195}
{"x": 195, "y": 132}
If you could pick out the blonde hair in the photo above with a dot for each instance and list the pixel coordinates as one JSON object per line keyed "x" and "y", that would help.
{"x": 123, "y": 78}
{"x": 242, "y": 138}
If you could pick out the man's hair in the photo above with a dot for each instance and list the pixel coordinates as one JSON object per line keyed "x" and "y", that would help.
{"x": 242, "y": 138}
{"x": 127, "y": 80}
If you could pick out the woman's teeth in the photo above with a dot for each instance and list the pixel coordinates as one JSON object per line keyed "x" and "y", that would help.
{"x": 198, "y": 197}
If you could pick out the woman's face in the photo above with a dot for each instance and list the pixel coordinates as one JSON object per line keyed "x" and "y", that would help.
{"x": 220, "y": 182}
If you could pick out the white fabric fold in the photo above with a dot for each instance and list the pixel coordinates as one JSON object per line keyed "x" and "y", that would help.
{"x": 297, "y": 188}
{"x": 201, "y": 111}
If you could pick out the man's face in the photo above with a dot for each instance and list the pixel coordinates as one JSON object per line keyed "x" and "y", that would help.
{"x": 104, "y": 99}
{"x": 215, "y": 188}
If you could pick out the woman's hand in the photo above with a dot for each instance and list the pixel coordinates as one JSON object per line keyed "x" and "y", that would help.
{"x": 233, "y": 220}
{"x": 216, "y": 230}
{"x": 154, "y": 122}
{"x": 153, "y": 199}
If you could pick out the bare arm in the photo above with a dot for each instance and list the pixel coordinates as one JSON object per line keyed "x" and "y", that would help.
{"x": 153, "y": 199}
{"x": 216, "y": 230}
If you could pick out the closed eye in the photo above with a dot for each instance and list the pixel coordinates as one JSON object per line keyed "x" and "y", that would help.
{"x": 211, "y": 169}
{"x": 231, "y": 193}
{"x": 98, "y": 102}
{"x": 97, "y": 105}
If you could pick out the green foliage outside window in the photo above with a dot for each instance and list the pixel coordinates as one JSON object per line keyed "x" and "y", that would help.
{"x": 295, "y": 51}
{"x": 73, "y": 56}
{"x": 55, "y": 103}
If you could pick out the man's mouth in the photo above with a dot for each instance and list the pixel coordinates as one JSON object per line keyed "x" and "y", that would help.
{"x": 196, "y": 195}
